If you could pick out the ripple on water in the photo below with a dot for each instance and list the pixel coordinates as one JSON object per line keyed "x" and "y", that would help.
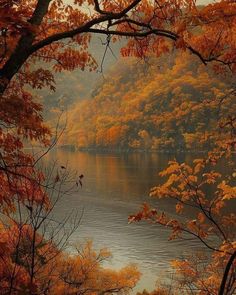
{"x": 113, "y": 188}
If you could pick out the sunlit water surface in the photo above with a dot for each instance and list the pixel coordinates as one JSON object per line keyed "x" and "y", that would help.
{"x": 114, "y": 186}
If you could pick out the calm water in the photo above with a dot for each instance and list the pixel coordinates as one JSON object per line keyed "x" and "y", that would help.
{"x": 114, "y": 186}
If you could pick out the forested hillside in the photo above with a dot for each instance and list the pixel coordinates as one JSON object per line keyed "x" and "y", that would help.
{"x": 157, "y": 104}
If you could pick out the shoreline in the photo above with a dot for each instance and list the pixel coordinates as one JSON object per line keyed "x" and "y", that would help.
{"x": 127, "y": 150}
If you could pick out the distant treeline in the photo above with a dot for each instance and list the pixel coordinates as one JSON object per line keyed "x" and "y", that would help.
{"x": 159, "y": 104}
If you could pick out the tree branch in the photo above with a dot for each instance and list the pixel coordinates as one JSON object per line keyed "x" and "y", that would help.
{"x": 226, "y": 273}
{"x": 39, "y": 12}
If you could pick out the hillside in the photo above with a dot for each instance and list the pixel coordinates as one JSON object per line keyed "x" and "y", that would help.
{"x": 160, "y": 104}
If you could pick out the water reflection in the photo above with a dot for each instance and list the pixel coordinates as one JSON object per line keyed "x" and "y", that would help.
{"x": 114, "y": 187}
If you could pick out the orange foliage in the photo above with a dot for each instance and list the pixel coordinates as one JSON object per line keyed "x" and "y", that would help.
{"x": 174, "y": 108}
{"x": 84, "y": 273}
{"x": 207, "y": 194}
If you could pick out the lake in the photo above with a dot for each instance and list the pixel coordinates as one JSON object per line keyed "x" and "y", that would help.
{"x": 114, "y": 186}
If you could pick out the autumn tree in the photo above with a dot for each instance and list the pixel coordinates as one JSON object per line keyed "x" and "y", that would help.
{"x": 84, "y": 274}
{"x": 212, "y": 222}
{"x": 33, "y": 244}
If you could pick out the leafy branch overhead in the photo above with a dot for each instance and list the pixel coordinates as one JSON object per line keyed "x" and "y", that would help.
{"x": 43, "y": 26}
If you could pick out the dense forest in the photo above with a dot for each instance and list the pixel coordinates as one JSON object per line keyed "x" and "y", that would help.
{"x": 163, "y": 104}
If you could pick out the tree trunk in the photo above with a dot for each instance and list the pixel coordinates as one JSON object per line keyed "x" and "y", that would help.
{"x": 22, "y": 52}
{"x": 226, "y": 273}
